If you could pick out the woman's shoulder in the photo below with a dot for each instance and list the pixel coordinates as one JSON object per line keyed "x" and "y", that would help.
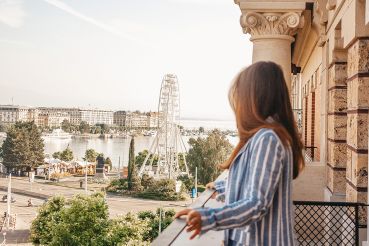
{"x": 266, "y": 133}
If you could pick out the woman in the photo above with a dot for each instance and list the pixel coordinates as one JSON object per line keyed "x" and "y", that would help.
{"x": 258, "y": 205}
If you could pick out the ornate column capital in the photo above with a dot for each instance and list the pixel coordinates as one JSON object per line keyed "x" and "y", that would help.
{"x": 259, "y": 23}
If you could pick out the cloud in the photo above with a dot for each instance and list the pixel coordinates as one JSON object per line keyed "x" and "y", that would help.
{"x": 12, "y": 13}
{"x": 68, "y": 9}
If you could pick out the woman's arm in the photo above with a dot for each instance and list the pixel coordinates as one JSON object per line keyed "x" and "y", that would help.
{"x": 266, "y": 168}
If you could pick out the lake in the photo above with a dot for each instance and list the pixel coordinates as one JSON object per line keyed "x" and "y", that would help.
{"x": 119, "y": 147}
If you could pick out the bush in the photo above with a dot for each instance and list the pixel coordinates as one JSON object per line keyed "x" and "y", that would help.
{"x": 153, "y": 219}
{"x": 201, "y": 188}
{"x": 187, "y": 181}
{"x": 84, "y": 220}
{"x": 128, "y": 230}
{"x": 163, "y": 189}
{"x": 118, "y": 185}
{"x": 48, "y": 216}
{"x": 147, "y": 181}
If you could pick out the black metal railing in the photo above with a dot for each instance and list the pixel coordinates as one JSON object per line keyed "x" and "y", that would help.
{"x": 327, "y": 223}
{"x": 310, "y": 153}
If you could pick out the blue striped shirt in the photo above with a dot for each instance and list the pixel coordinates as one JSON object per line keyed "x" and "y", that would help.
{"x": 258, "y": 204}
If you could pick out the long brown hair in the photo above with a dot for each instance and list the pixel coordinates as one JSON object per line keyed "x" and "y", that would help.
{"x": 258, "y": 92}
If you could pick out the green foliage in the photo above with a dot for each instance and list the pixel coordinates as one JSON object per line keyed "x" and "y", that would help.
{"x": 134, "y": 182}
{"x": 3, "y": 127}
{"x": 84, "y": 220}
{"x": 48, "y": 216}
{"x": 23, "y": 148}
{"x": 108, "y": 162}
{"x": 153, "y": 219}
{"x": 84, "y": 127}
{"x": 90, "y": 155}
{"x": 140, "y": 158}
{"x": 57, "y": 155}
{"x": 201, "y": 188}
{"x": 118, "y": 185}
{"x": 67, "y": 154}
{"x": 66, "y": 126}
{"x": 147, "y": 181}
{"x": 128, "y": 230}
{"x": 201, "y": 129}
{"x": 104, "y": 128}
{"x": 207, "y": 153}
{"x": 162, "y": 189}
{"x": 187, "y": 181}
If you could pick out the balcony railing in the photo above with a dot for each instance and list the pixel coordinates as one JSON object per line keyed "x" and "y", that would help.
{"x": 310, "y": 153}
{"x": 316, "y": 223}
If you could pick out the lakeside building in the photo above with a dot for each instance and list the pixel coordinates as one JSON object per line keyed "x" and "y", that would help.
{"x": 54, "y": 116}
{"x": 152, "y": 119}
{"x": 120, "y": 117}
{"x": 97, "y": 116}
{"x": 9, "y": 114}
{"x": 54, "y": 119}
{"x": 74, "y": 113}
{"x": 136, "y": 119}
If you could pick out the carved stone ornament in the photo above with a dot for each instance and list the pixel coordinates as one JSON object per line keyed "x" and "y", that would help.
{"x": 271, "y": 23}
{"x": 331, "y": 4}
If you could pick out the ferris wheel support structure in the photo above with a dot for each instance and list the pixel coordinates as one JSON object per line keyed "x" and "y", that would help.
{"x": 165, "y": 147}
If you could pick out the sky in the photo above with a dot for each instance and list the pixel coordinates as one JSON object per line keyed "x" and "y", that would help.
{"x": 113, "y": 54}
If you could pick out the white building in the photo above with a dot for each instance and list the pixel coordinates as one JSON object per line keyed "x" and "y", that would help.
{"x": 97, "y": 116}
{"x": 9, "y": 114}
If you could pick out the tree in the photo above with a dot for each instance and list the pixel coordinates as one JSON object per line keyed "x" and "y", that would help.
{"x": 84, "y": 127}
{"x": 23, "y": 148}
{"x": 108, "y": 162}
{"x": 67, "y": 154}
{"x": 66, "y": 126}
{"x": 147, "y": 181}
{"x": 206, "y": 154}
{"x": 129, "y": 230}
{"x": 153, "y": 219}
{"x": 105, "y": 128}
{"x": 84, "y": 220}
{"x": 3, "y": 128}
{"x": 49, "y": 214}
{"x": 134, "y": 183}
{"x": 201, "y": 130}
{"x": 140, "y": 158}
{"x": 90, "y": 155}
{"x": 57, "y": 155}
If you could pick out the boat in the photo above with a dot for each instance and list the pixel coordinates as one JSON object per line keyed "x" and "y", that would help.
{"x": 58, "y": 134}
{"x": 149, "y": 133}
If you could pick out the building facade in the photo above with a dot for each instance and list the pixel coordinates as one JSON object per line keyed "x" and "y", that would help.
{"x": 9, "y": 114}
{"x": 119, "y": 118}
{"x": 52, "y": 119}
{"x": 97, "y": 116}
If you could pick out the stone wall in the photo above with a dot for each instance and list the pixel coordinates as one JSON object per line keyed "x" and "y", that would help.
{"x": 357, "y": 121}
{"x": 337, "y": 125}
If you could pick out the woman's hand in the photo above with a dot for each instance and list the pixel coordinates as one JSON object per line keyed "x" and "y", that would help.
{"x": 193, "y": 221}
{"x": 211, "y": 186}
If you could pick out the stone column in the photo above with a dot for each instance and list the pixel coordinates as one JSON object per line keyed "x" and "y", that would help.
{"x": 357, "y": 120}
{"x": 272, "y": 35}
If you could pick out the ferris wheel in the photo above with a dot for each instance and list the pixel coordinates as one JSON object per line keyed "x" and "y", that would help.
{"x": 168, "y": 141}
